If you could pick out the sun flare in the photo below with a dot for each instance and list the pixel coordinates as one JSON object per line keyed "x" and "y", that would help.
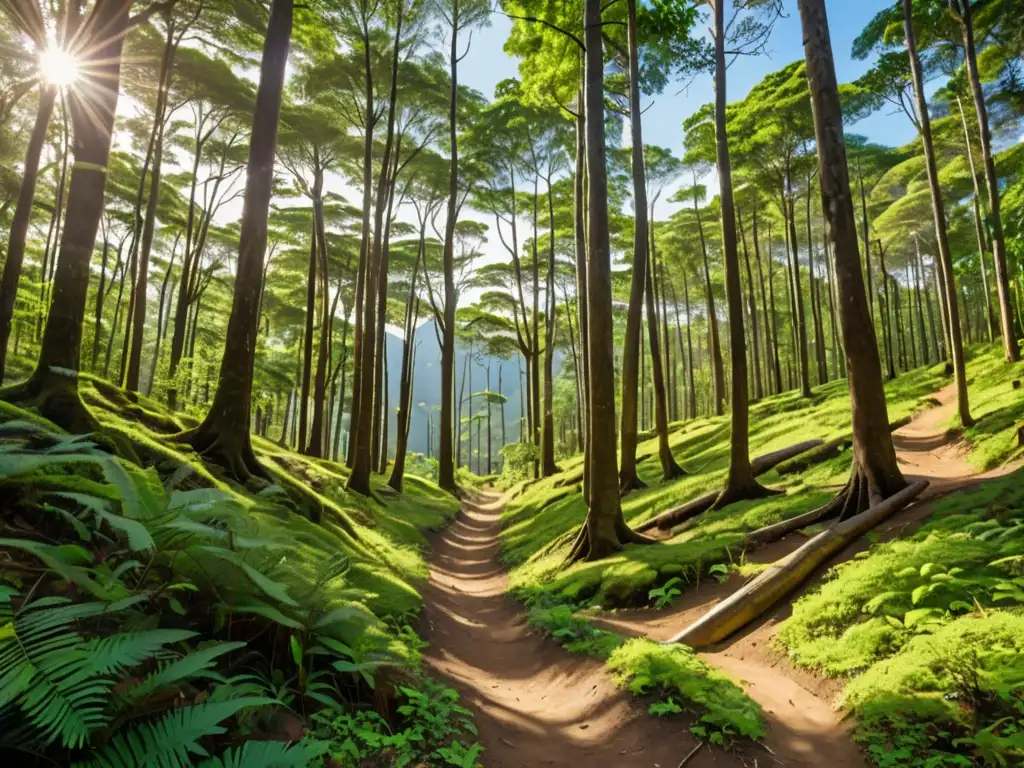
{"x": 57, "y": 66}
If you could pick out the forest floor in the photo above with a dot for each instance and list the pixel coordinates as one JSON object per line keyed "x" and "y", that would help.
{"x": 538, "y": 704}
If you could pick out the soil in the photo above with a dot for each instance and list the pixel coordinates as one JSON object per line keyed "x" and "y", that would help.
{"x": 538, "y": 705}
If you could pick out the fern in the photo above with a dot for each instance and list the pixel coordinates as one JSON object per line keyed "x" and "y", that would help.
{"x": 58, "y": 681}
{"x": 196, "y": 665}
{"x": 173, "y": 739}
{"x": 268, "y": 754}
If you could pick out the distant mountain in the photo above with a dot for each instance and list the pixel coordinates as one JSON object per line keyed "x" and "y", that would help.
{"x": 426, "y": 396}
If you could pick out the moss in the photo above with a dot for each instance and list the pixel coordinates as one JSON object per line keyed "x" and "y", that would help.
{"x": 722, "y": 709}
{"x": 671, "y": 676}
{"x": 539, "y": 513}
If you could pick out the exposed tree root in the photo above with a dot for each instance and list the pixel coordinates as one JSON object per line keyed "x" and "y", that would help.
{"x": 232, "y": 453}
{"x": 627, "y": 484}
{"x": 670, "y": 469}
{"x": 742, "y": 492}
{"x": 763, "y": 592}
{"x": 760, "y": 465}
{"x": 591, "y": 544}
{"x": 55, "y": 397}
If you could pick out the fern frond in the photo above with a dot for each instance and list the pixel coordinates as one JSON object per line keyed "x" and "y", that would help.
{"x": 115, "y": 653}
{"x": 171, "y": 741}
{"x": 198, "y": 664}
{"x": 268, "y": 754}
{"x": 59, "y": 682}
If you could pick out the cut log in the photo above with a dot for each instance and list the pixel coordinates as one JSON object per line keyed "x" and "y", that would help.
{"x": 763, "y": 592}
{"x": 827, "y": 451}
{"x": 673, "y": 517}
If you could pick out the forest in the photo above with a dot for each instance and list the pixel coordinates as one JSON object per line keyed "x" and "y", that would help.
{"x": 493, "y": 383}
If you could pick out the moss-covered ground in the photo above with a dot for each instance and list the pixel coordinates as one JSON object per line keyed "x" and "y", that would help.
{"x": 382, "y": 538}
{"x": 930, "y": 631}
{"x": 927, "y": 626}
{"x": 550, "y": 510}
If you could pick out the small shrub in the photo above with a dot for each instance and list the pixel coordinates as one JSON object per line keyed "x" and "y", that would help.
{"x": 433, "y": 730}
{"x": 665, "y": 595}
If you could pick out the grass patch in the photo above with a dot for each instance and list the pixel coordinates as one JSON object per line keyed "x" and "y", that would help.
{"x": 541, "y": 517}
{"x": 932, "y": 627}
{"x": 671, "y": 676}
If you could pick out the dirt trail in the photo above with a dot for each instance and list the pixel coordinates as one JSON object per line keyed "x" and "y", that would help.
{"x": 926, "y": 450}
{"x": 535, "y": 704}
{"x": 538, "y": 705}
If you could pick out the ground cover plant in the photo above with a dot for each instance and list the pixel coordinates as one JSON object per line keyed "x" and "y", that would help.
{"x": 154, "y": 614}
{"x": 928, "y": 628}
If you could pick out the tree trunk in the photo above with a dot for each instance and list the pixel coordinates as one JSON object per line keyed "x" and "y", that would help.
{"x": 875, "y": 474}
{"x": 669, "y": 468}
{"x": 580, "y": 252}
{"x": 101, "y": 295}
{"x": 770, "y": 304}
{"x": 317, "y": 445}
{"x": 883, "y": 312}
{"x": 798, "y": 295}
{"x": 548, "y": 466}
{"x": 754, "y": 335}
{"x": 978, "y": 227}
{"x": 160, "y": 320}
{"x": 446, "y": 469}
{"x": 718, "y": 367}
{"x": 22, "y": 216}
{"x": 631, "y": 356}
{"x": 137, "y": 323}
{"x": 740, "y": 482}
{"x": 405, "y": 386}
{"x": 815, "y": 290}
{"x": 689, "y": 349}
{"x": 1010, "y": 346}
{"x": 939, "y": 215}
{"x": 604, "y": 531}
{"x": 53, "y": 386}
{"x": 223, "y": 436}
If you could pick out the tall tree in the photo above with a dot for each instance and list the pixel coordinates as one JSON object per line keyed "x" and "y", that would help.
{"x": 939, "y": 216}
{"x": 223, "y": 436}
{"x": 875, "y": 473}
{"x": 604, "y": 531}
{"x": 459, "y": 16}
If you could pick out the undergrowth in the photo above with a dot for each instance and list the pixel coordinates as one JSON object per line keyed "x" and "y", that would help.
{"x": 671, "y": 677}
{"x": 152, "y": 613}
{"x": 932, "y": 627}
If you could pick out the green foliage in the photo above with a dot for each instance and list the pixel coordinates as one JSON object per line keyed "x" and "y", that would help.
{"x": 665, "y": 595}
{"x": 722, "y": 710}
{"x": 141, "y": 623}
{"x": 434, "y": 727}
{"x": 931, "y": 625}
{"x": 518, "y": 463}
{"x": 575, "y": 632}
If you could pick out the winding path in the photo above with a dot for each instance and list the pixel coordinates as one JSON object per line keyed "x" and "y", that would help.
{"x": 538, "y": 705}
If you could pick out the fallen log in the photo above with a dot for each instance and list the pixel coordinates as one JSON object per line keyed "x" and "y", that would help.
{"x": 826, "y": 451}
{"x": 763, "y": 592}
{"x": 673, "y": 517}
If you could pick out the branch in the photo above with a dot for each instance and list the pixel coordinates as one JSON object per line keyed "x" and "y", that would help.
{"x": 547, "y": 24}
{"x": 146, "y": 15}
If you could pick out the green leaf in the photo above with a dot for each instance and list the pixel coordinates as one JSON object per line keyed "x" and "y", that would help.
{"x": 269, "y": 586}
